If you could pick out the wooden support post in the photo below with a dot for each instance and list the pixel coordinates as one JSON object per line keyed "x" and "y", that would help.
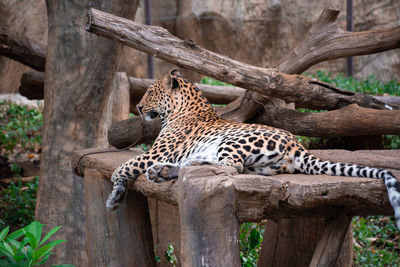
{"x": 120, "y": 238}
{"x": 120, "y": 97}
{"x": 209, "y": 225}
{"x": 330, "y": 243}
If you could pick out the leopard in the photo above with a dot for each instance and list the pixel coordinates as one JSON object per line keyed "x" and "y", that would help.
{"x": 192, "y": 133}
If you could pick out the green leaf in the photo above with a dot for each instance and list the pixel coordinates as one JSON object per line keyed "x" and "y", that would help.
{"x": 35, "y": 228}
{"x": 32, "y": 239}
{"x": 49, "y": 234}
{"x": 3, "y": 233}
{"x": 47, "y": 248}
{"x": 15, "y": 235}
{"x": 6, "y": 248}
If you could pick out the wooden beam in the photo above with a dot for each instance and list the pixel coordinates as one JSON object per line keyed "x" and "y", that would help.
{"x": 22, "y": 50}
{"x": 187, "y": 54}
{"x": 331, "y": 241}
{"x": 120, "y": 238}
{"x": 349, "y": 121}
{"x": 328, "y": 41}
{"x": 210, "y": 228}
{"x": 32, "y": 85}
{"x": 274, "y": 197}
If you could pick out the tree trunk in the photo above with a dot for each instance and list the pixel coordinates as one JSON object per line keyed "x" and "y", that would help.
{"x": 79, "y": 74}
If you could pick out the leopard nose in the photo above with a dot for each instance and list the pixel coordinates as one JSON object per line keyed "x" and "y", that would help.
{"x": 139, "y": 108}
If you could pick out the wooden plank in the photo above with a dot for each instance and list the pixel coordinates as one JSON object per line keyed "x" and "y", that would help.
{"x": 331, "y": 241}
{"x": 120, "y": 238}
{"x": 279, "y": 196}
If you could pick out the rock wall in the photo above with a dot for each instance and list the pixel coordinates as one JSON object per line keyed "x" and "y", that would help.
{"x": 253, "y": 31}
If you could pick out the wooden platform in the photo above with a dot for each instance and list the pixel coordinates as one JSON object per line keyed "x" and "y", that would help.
{"x": 213, "y": 201}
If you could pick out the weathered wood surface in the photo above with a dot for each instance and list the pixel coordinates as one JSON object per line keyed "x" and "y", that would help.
{"x": 331, "y": 241}
{"x": 160, "y": 43}
{"x": 292, "y": 242}
{"x": 210, "y": 228}
{"x": 79, "y": 75}
{"x": 121, "y": 238}
{"x": 280, "y": 196}
{"x": 22, "y": 50}
{"x": 348, "y": 121}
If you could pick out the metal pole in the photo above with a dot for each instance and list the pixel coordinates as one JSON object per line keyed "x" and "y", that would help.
{"x": 349, "y": 27}
{"x": 147, "y": 19}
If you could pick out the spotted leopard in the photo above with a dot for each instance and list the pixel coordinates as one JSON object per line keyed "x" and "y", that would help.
{"x": 193, "y": 132}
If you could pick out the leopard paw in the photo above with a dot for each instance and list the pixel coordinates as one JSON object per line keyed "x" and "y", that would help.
{"x": 117, "y": 195}
{"x": 162, "y": 172}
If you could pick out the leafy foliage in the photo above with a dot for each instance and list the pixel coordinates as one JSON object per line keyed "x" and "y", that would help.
{"x": 19, "y": 128}
{"x": 170, "y": 255}
{"x": 17, "y": 204}
{"x": 250, "y": 239}
{"x": 25, "y": 247}
{"x": 371, "y": 85}
{"x": 375, "y": 241}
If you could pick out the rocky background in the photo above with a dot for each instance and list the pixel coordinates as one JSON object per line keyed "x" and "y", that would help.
{"x": 257, "y": 32}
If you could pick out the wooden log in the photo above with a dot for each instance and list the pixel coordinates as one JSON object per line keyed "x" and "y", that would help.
{"x": 349, "y": 121}
{"x": 312, "y": 49}
{"x": 279, "y": 196}
{"x": 160, "y": 43}
{"x": 133, "y": 130}
{"x": 214, "y": 94}
{"x": 330, "y": 243}
{"x": 32, "y": 85}
{"x": 79, "y": 75}
{"x": 210, "y": 228}
{"x": 120, "y": 97}
{"x": 121, "y": 238}
{"x": 328, "y": 41}
{"x": 22, "y": 50}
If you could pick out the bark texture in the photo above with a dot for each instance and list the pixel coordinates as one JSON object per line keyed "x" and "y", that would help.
{"x": 79, "y": 75}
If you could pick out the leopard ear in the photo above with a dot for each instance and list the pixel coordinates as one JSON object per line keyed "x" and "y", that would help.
{"x": 173, "y": 76}
{"x": 175, "y": 72}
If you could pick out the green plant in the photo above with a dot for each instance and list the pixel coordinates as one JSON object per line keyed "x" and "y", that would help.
{"x": 19, "y": 128}
{"x": 250, "y": 239}
{"x": 375, "y": 241}
{"x": 25, "y": 247}
{"x": 17, "y": 204}
{"x": 170, "y": 255}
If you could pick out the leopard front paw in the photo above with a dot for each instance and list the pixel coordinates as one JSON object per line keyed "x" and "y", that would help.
{"x": 162, "y": 172}
{"x": 117, "y": 195}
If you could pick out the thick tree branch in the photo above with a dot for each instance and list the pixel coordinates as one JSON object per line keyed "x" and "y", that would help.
{"x": 326, "y": 41}
{"x": 349, "y": 121}
{"x": 26, "y": 52}
{"x": 160, "y": 43}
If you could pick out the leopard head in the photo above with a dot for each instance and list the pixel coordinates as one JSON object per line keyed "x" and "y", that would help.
{"x": 172, "y": 96}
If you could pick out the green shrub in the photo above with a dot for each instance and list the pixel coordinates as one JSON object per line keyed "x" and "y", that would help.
{"x": 25, "y": 247}
{"x": 250, "y": 239}
{"x": 375, "y": 241}
{"x": 17, "y": 204}
{"x": 19, "y": 128}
